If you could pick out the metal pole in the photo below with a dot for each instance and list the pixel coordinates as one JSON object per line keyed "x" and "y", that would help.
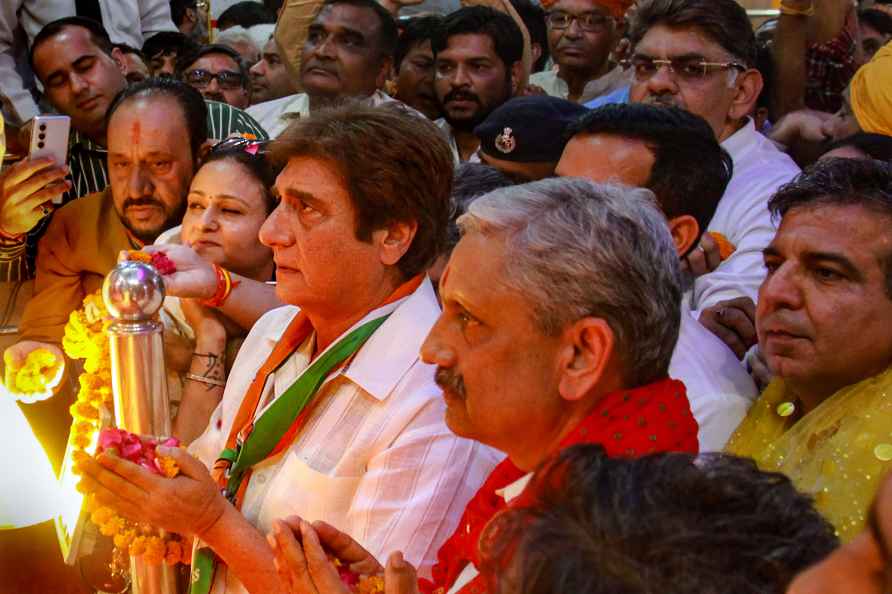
{"x": 133, "y": 293}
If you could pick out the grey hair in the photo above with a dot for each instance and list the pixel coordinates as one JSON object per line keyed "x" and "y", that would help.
{"x": 577, "y": 249}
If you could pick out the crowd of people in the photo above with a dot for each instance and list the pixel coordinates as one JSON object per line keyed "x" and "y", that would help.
{"x": 586, "y": 296}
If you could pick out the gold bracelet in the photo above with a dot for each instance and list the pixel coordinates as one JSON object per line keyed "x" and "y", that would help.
{"x": 205, "y": 380}
{"x": 790, "y": 11}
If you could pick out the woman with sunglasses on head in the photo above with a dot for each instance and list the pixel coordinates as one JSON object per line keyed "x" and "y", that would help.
{"x": 228, "y": 201}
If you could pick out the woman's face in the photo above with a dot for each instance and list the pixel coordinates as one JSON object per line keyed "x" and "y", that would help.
{"x": 225, "y": 210}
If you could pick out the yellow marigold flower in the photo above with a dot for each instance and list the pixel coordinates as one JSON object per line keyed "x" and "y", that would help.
{"x": 102, "y": 515}
{"x": 138, "y": 546}
{"x": 124, "y": 538}
{"x": 79, "y": 441}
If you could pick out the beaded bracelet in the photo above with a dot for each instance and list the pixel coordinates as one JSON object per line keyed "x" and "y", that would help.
{"x": 225, "y": 285}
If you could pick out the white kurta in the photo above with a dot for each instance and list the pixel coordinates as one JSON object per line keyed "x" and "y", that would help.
{"x": 278, "y": 114}
{"x": 375, "y": 459}
{"x": 719, "y": 389}
{"x": 742, "y": 216}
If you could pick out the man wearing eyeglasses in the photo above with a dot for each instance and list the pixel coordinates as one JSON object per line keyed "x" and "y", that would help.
{"x": 699, "y": 55}
{"x": 581, "y": 36}
{"x": 218, "y": 73}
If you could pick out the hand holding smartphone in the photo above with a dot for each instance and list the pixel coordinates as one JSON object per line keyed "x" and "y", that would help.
{"x": 49, "y": 138}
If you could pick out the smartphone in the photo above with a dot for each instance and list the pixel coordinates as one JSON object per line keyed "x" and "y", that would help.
{"x": 49, "y": 138}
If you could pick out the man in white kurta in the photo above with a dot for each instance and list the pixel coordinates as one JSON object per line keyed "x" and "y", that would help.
{"x": 375, "y": 458}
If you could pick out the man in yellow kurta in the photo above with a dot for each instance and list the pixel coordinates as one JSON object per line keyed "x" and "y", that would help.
{"x": 823, "y": 321}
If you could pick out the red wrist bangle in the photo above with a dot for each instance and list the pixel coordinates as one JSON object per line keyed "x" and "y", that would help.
{"x": 225, "y": 285}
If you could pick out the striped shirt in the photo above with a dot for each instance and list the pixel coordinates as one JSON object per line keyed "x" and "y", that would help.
{"x": 89, "y": 174}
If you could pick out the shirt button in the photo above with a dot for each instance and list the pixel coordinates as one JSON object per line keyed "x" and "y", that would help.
{"x": 261, "y": 478}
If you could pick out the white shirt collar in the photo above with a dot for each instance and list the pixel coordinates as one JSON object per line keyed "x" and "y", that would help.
{"x": 513, "y": 491}
{"x": 741, "y": 140}
{"x": 392, "y": 350}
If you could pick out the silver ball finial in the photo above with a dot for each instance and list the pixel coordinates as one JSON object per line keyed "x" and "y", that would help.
{"x": 133, "y": 291}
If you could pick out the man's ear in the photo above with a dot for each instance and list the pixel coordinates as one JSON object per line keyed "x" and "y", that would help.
{"x": 118, "y": 56}
{"x": 384, "y": 72}
{"x": 685, "y": 233}
{"x": 516, "y": 77}
{"x": 749, "y": 85}
{"x": 586, "y": 357}
{"x": 394, "y": 240}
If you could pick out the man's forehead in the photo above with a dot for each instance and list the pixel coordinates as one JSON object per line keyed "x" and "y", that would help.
{"x": 77, "y": 41}
{"x": 346, "y": 17}
{"x": 469, "y": 46}
{"x": 167, "y": 120}
{"x": 580, "y": 6}
{"x": 850, "y": 229}
{"x": 668, "y": 42}
{"x": 214, "y": 60}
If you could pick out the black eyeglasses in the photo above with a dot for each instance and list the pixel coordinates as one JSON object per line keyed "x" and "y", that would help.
{"x": 227, "y": 79}
{"x": 590, "y": 22}
{"x": 687, "y": 69}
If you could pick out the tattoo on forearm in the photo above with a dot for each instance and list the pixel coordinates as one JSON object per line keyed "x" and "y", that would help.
{"x": 213, "y": 368}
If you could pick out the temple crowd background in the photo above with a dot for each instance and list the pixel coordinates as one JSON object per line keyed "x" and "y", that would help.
{"x": 564, "y": 296}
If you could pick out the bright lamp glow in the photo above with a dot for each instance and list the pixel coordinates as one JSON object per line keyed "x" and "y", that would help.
{"x": 29, "y": 492}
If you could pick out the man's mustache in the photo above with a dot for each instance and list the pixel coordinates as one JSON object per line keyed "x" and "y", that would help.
{"x": 145, "y": 201}
{"x": 664, "y": 100}
{"x": 450, "y": 381}
{"x": 461, "y": 96}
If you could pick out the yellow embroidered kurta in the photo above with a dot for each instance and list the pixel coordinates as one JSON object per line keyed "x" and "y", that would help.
{"x": 837, "y": 453}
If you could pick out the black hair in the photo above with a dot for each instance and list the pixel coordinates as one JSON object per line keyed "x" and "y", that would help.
{"x": 723, "y": 21}
{"x": 168, "y": 42}
{"x": 257, "y": 165}
{"x": 875, "y": 146}
{"x": 415, "y": 31}
{"x": 673, "y": 522}
{"x": 98, "y": 35}
{"x": 273, "y": 5}
{"x": 178, "y": 10}
{"x": 247, "y": 14}
{"x": 482, "y": 20}
{"x": 877, "y": 20}
{"x": 840, "y": 182}
{"x": 127, "y": 49}
{"x": 192, "y": 104}
{"x": 471, "y": 181}
{"x": 533, "y": 17}
{"x": 388, "y": 31}
{"x": 184, "y": 61}
{"x": 691, "y": 170}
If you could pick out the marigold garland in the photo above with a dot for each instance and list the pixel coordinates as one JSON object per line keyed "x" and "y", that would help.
{"x": 86, "y": 338}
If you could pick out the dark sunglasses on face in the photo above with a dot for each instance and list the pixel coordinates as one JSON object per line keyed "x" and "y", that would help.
{"x": 227, "y": 79}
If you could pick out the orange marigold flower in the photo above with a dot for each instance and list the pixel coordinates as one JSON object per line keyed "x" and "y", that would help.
{"x": 155, "y": 550}
{"x": 726, "y": 248}
{"x": 102, "y": 515}
{"x": 168, "y": 465}
{"x": 370, "y": 584}
{"x": 138, "y": 546}
{"x": 174, "y": 553}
